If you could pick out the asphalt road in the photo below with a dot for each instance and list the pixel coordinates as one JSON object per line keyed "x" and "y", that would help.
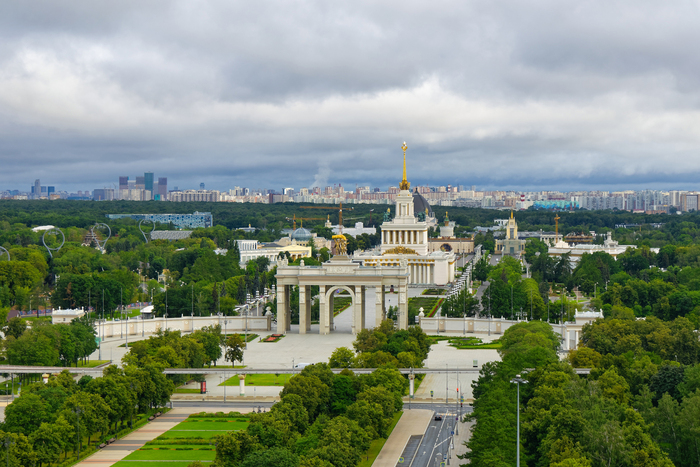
{"x": 437, "y": 441}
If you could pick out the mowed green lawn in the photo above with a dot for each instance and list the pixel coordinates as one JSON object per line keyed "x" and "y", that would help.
{"x": 192, "y": 434}
{"x": 155, "y": 463}
{"x": 195, "y": 429}
{"x": 210, "y": 426}
{"x": 171, "y": 455}
{"x": 259, "y": 380}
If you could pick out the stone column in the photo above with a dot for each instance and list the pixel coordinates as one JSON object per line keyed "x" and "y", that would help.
{"x": 309, "y": 298}
{"x": 331, "y": 310}
{"x": 378, "y": 305}
{"x": 411, "y": 379}
{"x": 357, "y": 312}
{"x": 241, "y": 379}
{"x": 302, "y": 310}
{"x": 364, "y": 300}
{"x": 281, "y": 305}
{"x": 323, "y": 322}
{"x": 403, "y": 306}
{"x": 287, "y": 309}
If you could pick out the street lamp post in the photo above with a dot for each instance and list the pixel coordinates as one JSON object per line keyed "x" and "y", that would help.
{"x": 511, "y": 301}
{"x": 518, "y": 381}
{"x": 247, "y": 309}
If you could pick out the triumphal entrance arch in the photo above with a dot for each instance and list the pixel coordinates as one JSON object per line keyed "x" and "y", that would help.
{"x": 339, "y": 273}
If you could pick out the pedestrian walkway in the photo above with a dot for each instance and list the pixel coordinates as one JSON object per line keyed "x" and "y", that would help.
{"x": 411, "y": 423}
{"x": 465, "y": 431}
{"x": 117, "y": 451}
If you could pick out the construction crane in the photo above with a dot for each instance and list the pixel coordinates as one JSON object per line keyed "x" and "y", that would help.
{"x": 294, "y": 219}
{"x": 556, "y": 227}
{"x": 339, "y": 209}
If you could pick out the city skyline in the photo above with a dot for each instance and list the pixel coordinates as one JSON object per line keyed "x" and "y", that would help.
{"x": 512, "y": 95}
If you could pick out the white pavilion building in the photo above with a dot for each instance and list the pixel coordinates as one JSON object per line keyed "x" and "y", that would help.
{"x": 406, "y": 237}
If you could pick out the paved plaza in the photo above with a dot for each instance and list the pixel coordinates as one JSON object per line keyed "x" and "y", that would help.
{"x": 297, "y": 348}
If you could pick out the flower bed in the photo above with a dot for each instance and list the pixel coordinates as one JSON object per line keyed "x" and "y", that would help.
{"x": 435, "y": 308}
{"x": 273, "y": 338}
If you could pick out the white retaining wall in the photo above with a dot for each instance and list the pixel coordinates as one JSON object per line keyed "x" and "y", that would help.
{"x": 137, "y": 327}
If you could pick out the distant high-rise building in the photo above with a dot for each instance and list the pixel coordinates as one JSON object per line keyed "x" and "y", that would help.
{"x": 148, "y": 181}
{"x": 37, "y": 189}
{"x": 103, "y": 194}
{"x": 201, "y": 186}
{"x": 123, "y": 183}
{"x": 163, "y": 187}
{"x": 141, "y": 183}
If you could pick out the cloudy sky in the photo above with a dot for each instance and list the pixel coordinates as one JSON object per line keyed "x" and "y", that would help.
{"x": 541, "y": 94}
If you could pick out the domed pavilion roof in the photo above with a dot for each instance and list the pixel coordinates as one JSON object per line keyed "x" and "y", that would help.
{"x": 301, "y": 235}
{"x": 420, "y": 204}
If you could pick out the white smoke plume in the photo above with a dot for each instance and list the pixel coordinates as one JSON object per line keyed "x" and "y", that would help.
{"x": 321, "y": 177}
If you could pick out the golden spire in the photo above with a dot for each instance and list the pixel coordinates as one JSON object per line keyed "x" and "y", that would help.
{"x": 511, "y": 213}
{"x": 405, "y": 184}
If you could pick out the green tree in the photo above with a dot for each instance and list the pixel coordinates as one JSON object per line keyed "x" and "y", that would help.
{"x": 15, "y": 327}
{"x": 342, "y": 357}
{"x": 315, "y": 395}
{"x": 50, "y": 440}
{"x": 115, "y": 393}
{"x": 233, "y": 447}
{"x": 25, "y": 414}
{"x": 88, "y": 412}
{"x": 16, "y": 449}
{"x": 234, "y": 348}
{"x": 274, "y": 457}
{"x": 291, "y": 410}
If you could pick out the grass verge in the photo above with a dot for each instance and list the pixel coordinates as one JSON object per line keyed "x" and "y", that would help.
{"x": 472, "y": 343}
{"x": 259, "y": 380}
{"x": 92, "y": 363}
{"x": 376, "y": 446}
{"x": 155, "y": 464}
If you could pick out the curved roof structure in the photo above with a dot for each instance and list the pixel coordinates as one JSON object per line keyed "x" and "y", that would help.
{"x": 420, "y": 204}
{"x": 301, "y": 235}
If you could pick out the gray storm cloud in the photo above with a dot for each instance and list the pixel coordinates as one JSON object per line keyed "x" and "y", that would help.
{"x": 543, "y": 94}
